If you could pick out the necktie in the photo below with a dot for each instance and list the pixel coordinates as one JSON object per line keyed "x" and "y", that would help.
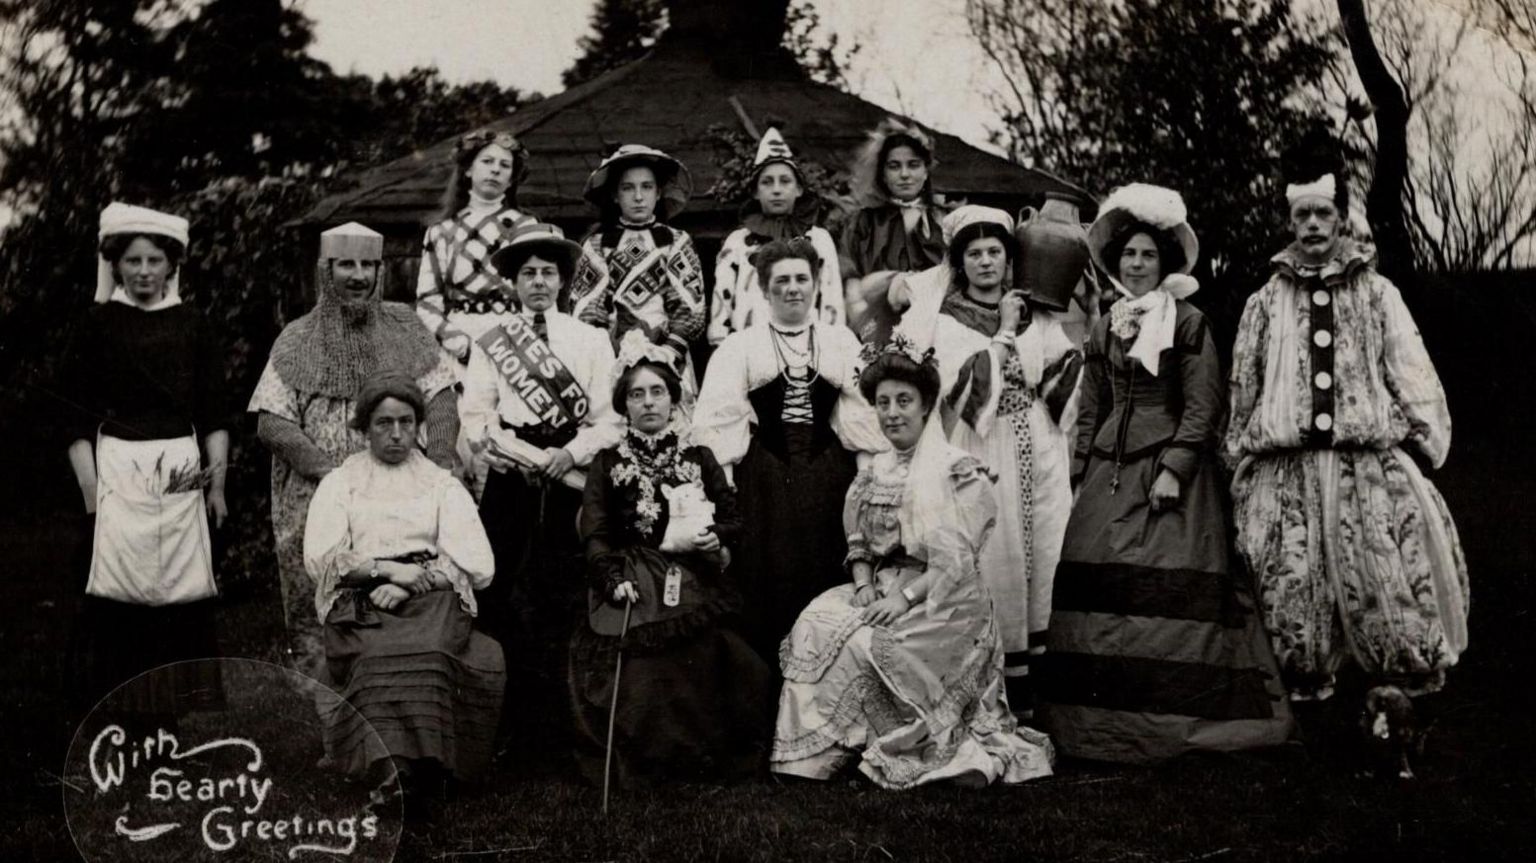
{"x": 540, "y": 328}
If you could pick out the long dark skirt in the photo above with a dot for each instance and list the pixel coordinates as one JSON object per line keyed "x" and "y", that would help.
{"x": 695, "y": 707}
{"x": 422, "y": 678}
{"x": 533, "y": 602}
{"x": 117, "y": 641}
{"x": 1155, "y": 646}
{"x": 792, "y": 545}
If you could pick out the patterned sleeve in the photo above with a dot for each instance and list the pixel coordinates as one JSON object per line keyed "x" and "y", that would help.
{"x": 273, "y": 396}
{"x": 834, "y": 311}
{"x": 1247, "y": 379}
{"x": 591, "y": 286}
{"x": 1412, "y": 379}
{"x": 728, "y": 266}
{"x": 431, "y": 303}
{"x": 684, "y": 303}
{"x": 1200, "y": 379}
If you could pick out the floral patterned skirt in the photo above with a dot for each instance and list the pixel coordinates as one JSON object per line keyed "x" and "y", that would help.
{"x": 1355, "y": 555}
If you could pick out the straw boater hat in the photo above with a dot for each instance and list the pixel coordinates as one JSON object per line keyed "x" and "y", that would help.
{"x": 1161, "y": 208}
{"x": 127, "y": 219}
{"x": 672, "y": 178}
{"x": 535, "y": 238}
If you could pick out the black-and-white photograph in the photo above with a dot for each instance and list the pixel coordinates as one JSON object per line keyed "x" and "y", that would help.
{"x": 759, "y": 430}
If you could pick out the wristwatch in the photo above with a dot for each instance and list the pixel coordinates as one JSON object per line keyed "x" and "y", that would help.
{"x": 910, "y": 596}
{"x": 373, "y": 572}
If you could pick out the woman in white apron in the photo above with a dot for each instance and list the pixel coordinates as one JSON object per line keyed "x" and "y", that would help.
{"x": 147, "y": 381}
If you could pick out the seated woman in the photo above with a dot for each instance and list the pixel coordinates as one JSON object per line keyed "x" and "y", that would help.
{"x": 902, "y": 669}
{"x": 659, "y": 519}
{"x": 396, "y": 550}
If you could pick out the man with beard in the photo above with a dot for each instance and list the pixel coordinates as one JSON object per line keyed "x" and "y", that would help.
{"x": 305, "y": 400}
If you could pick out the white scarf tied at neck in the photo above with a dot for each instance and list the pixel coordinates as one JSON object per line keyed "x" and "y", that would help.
{"x": 1159, "y": 317}
{"x": 914, "y": 214}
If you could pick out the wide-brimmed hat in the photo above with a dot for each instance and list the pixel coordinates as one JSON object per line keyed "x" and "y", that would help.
{"x": 672, "y": 178}
{"x": 1155, "y": 206}
{"x": 534, "y": 238}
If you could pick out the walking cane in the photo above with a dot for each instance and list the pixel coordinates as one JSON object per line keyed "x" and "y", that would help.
{"x": 613, "y": 705}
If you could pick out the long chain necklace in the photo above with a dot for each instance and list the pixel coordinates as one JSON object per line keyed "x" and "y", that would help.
{"x": 797, "y": 372}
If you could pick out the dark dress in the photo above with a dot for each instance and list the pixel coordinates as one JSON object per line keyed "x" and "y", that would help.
{"x": 1154, "y": 646}
{"x": 534, "y": 600}
{"x": 694, "y": 700}
{"x": 139, "y": 375}
{"x": 876, "y": 238}
{"x": 790, "y": 486}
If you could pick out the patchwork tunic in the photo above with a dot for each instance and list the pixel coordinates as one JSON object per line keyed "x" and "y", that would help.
{"x": 458, "y": 292}
{"x": 1335, "y": 407}
{"x": 646, "y": 277}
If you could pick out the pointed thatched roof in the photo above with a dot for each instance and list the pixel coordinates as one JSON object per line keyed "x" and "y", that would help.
{"x": 669, "y": 99}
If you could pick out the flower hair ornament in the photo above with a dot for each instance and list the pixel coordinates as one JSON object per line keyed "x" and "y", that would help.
{"x": 636, "y": 347}
{"x": 898, "y": 343}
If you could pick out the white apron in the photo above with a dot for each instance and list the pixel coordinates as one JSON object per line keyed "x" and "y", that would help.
{"x": 151, "y": 547}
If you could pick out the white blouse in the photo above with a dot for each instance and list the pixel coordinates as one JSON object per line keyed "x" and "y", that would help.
{"x": 723, "y": 417}
{"x": 367, "y": 510}
{"x": 488, "y": 398}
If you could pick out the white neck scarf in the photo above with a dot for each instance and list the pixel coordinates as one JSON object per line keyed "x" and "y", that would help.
{"x": 914, "y": 214}
{"x": 1158, "y": 317}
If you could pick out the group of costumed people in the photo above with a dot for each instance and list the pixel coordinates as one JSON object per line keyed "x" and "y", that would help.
{"x": 946, "y": 547}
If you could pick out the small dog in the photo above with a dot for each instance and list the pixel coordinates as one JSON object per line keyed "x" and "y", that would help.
{"x": 1392, "y": 735}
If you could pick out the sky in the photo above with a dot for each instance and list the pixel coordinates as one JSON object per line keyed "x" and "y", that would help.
{"x": 528, "y": 43}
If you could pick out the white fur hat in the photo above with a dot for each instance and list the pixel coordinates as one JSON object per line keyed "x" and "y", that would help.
{"x": 1157, "y": 206}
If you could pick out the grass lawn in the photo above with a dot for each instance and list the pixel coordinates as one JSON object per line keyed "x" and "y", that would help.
{"x": 1475, "y": 799}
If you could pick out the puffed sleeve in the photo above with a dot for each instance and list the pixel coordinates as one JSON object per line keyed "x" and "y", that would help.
{"x": 478, "y": 404}
{"x": 1412, "y": 379}
{"x": 854, "y": 240}
{"x": 464, "y": 551}
{"x": 853, "y": 419}
{"x": 722, "y": 416}
{"x": 328, "y": 552}
{"x": 1200, "y": 379}
{"x": 1249, "y": 353}
{"x": 602, "y": 426}
{"x": 975, "y": 501}
{"x": 1093, "y": 394}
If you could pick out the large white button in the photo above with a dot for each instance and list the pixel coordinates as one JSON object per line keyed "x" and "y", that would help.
{"x": 1320, "y": 297}
{"x": 1322, "y": 338}
{"x": 1324, "y": 381}
{"x": 1323, "y": 422}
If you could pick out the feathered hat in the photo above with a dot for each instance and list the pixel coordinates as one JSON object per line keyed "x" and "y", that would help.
{"x": 672, "y": 177}
{"x": 1159, "y": 207}
{"x": 868, "y": 187}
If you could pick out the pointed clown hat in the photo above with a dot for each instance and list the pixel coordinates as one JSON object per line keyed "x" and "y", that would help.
{"x": 772, "y": 149}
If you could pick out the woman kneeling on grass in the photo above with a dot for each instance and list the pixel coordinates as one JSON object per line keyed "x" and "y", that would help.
{"x": 396, "y": 550}
{"x": 901, "y": 670}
